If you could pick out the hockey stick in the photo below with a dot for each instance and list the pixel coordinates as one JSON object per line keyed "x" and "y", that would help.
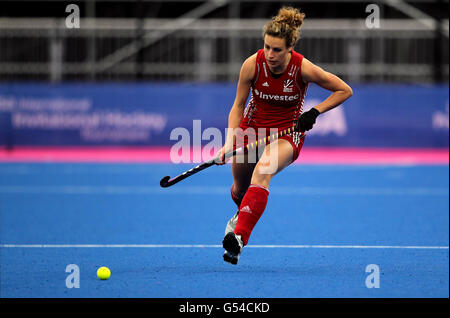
{"x": 167, "y": 181}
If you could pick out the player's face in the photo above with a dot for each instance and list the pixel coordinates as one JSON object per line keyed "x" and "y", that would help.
{"x": 275, "y": 52}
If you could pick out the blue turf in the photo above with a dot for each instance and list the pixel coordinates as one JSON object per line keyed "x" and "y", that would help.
{"x": 308, "y": 205}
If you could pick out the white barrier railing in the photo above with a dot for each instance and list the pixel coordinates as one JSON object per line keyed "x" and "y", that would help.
{"x": 213, "y": 49}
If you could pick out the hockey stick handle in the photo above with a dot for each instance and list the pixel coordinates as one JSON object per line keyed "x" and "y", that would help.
{"x": 167, "y": 181}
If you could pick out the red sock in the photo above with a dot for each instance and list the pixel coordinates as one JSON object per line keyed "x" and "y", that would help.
{"x": 252, "y": 207}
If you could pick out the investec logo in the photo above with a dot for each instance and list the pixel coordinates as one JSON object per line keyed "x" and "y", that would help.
{"x": 276, "y": 97}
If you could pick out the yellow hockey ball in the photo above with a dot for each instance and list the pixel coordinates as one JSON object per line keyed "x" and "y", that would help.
{"x": 103, "y": 273}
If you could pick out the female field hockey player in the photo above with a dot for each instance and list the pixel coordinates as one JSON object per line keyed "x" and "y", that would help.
{"x": 278, "y": 78}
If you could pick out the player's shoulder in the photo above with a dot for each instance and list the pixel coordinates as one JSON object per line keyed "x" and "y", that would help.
{"x": 307, "y": 66}
{"x": 249, "y": 66}
{"x": 251, "y": 60}
{"x": 307, "y": 62}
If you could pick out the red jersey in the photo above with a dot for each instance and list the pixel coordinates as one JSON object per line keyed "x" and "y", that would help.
{"x": 275, "y": 102}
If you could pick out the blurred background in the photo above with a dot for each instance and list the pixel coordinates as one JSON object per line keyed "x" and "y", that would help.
{"x": 129, "y": 72}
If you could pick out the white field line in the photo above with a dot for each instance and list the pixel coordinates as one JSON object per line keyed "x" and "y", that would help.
{"x": 218, "y": 246}
{"x": 202, "y": 190}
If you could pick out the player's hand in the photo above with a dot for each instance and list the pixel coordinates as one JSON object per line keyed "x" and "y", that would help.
{"x": 307, "y": 120}
{"x": 220, "y": 156}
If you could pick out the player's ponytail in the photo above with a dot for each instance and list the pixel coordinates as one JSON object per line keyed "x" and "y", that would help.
{"x": 286, "y": 25}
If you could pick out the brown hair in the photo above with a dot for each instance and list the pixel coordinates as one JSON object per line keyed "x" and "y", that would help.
{"x": 286, "y": 25}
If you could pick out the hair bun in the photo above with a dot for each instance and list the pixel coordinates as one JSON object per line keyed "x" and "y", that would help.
{"x": 285, "y": 25}
{"x": 290, "y": 16}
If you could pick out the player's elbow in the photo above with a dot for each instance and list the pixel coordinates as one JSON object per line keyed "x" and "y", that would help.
{"x": 348, "y": 91}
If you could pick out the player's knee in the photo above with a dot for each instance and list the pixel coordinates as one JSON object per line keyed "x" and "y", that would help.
{"x": 261, "y": 177}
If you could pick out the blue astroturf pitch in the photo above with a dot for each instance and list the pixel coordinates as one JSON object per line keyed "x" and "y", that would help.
{"x": 328, "y": 231}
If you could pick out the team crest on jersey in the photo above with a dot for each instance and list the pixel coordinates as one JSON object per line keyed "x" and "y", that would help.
{"x": 288, "y": 85}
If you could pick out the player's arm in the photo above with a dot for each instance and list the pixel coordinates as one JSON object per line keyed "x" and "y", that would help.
{"x": 312, "y": 73}
{"x": 237, "y": 110}
{"x": 242, "y": 92}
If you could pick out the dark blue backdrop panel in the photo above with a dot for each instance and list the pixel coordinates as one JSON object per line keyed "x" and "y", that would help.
{"x": 146, "y": 114}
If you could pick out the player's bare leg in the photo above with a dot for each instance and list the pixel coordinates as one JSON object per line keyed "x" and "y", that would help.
{"x": 275, "y": 158}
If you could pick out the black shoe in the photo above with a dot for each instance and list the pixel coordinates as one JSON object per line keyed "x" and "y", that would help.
{"x": 233, "y": 245}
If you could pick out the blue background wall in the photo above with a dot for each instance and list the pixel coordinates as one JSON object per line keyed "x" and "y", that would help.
{"x": 145, "y": 114}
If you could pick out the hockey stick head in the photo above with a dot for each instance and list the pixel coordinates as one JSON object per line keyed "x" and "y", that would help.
{"x": 164, "y": 182}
